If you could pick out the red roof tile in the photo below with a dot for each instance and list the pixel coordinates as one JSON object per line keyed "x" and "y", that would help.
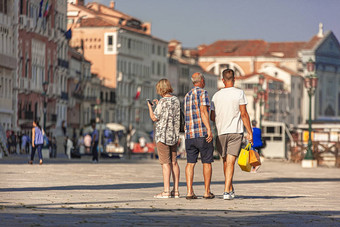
{"x": 311, "y": 43}
{"x": 235, "y": 48}
{"x": 95, "y": 22}
{"x": 256, "y": 48}
{"x": 288, "y": 49}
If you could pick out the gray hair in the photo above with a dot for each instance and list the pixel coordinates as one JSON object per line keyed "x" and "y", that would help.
{"x": 197, "y": 77}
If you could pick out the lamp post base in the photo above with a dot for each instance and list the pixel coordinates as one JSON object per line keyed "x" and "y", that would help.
{"x": 309, "y": 163}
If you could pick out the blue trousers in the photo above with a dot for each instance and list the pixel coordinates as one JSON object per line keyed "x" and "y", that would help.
{"x": 37, "y": 147}
{"x": 95, "y": 152}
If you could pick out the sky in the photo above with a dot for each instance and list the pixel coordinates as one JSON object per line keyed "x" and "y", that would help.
{"x": 195, "y": 22}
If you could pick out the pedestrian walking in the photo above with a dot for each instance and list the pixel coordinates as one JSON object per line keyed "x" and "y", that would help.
{"x": 167, "y": 118}
{"x": 230, "y": 114}
{"x": 94, "y": 145}
{"x": 37, "y": 141}
{"x": 24, "y": 141}
{"x": 198, "y": 135}
{"x": 54, "y": 147}
{"x": 69, "y": 146}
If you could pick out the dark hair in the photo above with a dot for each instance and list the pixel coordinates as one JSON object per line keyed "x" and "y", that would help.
{"x": 228, "y": 75}
{"x": 37, "y": 123}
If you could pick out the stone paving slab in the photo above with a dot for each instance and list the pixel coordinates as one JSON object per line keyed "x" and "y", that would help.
{"x": 120, "y": 193}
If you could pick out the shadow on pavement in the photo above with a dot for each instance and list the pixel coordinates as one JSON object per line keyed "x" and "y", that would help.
{"x": 160, "y": 184}
{"x": 155, "y": 217}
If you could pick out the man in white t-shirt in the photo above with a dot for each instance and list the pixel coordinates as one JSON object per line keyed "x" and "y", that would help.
{"x": 229, "y": 112}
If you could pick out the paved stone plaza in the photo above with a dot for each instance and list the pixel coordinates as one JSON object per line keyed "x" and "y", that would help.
{"x": 120, "y": 193}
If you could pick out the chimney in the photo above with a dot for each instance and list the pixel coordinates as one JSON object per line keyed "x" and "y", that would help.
{"x": 112, "y": 4}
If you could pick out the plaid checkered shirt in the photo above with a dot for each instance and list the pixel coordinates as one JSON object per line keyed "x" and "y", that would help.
{"x": 194, "y": 126}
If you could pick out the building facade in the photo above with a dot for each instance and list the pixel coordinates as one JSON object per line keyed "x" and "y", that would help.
{"x": 285, "y": 61}
{"x": 43, "y": 63}
{"x": 182, "y": 64}
{"x": 124, "y": 55}
{"x": 8, "y": 64}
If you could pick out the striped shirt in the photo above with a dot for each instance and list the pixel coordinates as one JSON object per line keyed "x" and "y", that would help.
{"x": 194, "y": 126}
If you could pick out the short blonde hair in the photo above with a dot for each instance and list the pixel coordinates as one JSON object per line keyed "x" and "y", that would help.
{"x": 163, "y": 87}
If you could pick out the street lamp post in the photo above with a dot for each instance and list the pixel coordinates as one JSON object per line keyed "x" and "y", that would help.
{"x": 45, "y": 87}
{"x": 311, "y": 81}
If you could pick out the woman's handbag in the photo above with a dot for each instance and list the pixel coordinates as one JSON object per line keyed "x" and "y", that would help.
{"x": 243, "y": 159}
{"x": 254, "y": 158}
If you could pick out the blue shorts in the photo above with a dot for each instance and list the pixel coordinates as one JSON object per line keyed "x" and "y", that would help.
{"x": 199, "y": 145}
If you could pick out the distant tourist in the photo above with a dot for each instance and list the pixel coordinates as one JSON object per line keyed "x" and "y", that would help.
{"x": 87, "y": 143}
{"x": 54, "y": 147}
{"x": 69, "y": 145}
{"x": 24, "y": 142}
{"x": 167, "y": 118}
{"x": 230, "y": 114}
{"x": 94, "y": 139}
{"x": 37, "y": 141}
{"x": 198, "y": 135}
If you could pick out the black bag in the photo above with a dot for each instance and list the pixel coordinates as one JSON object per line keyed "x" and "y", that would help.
{"x": 182, "y": 121}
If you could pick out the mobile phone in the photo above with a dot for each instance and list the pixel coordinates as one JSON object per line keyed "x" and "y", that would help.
{"x": 149, "y": 101}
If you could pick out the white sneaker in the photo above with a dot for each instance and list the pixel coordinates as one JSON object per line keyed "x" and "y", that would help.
{"x": 227, "y": 196}
{"x": 232, "y": 194}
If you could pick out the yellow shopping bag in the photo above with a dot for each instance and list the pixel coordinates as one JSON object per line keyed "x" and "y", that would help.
{"x": 243, "y": 159}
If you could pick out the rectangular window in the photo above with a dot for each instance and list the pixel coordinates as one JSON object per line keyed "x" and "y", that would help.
{"x": 158, "y": 50}
{"x": 292, "y": 103}
{"x": 153, "y": 67}
{"x": 110, "y": 46}
{"x": 110, "y": 40}
{"x": 153, "y": 48}
{"x": 3, "y": 6}
{"x": 158, "y": 68}
{"x": 109, "y": 43}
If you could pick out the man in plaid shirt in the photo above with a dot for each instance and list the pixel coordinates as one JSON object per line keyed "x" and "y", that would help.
{"x": 198, "y": 135}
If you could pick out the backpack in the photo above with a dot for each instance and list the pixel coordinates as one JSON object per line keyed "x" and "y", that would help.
{"x": 182, "y": 121}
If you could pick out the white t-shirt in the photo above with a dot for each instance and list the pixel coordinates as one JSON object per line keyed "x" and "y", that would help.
{"x": 226, "y": 104}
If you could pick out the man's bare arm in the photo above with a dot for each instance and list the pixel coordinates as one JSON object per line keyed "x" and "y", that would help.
{"x": 212, "y": 115}
{"x": 246, "y": 122}
{"x": 205, "y": 119}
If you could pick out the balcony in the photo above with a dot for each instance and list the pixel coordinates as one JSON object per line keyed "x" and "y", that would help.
{"x": 64, "y": 95}
{"x": 28, "y": 115}
{"x": 63, "y": 63}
